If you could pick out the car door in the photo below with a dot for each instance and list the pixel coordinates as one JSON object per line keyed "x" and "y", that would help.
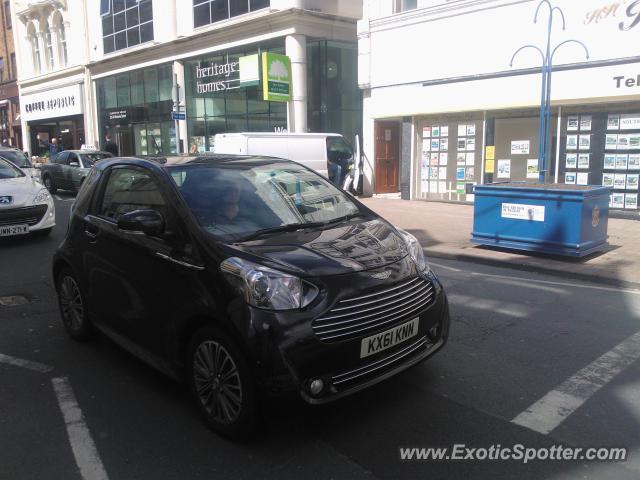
{"x": 73, "y": 171}
{"x": 58, "y": 169}
{"x": 132, "y": 286}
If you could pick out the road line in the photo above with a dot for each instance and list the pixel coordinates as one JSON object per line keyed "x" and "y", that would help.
{"x": 546, "y": 282}
{"x": 18, "y": 362}
{"x": 84, "y": 450}
{"x": 554, "y": 408}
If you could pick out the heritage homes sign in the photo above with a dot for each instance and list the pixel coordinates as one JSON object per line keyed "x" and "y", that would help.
{"x": 270, "y": 69}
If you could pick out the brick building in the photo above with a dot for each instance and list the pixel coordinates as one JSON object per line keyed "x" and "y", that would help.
{"x": 10, "y": 130}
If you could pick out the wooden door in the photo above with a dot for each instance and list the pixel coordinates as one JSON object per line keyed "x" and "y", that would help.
{"x": 387, "y": 157}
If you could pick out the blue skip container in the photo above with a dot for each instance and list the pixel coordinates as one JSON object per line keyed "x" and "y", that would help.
{"x": 556, "y": 219}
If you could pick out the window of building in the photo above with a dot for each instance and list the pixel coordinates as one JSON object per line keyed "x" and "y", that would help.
{"x": 1, "y": 69}
{"x": 14, "y": 69}
{"x": 35, "y": 48}
{"x": 49, "y": 45}
{"x": 7, "y": 14}
{"x": 126, "y": 23}
{"x": 211, "y": 11}
{"x": 404, "y": 5}
{"x": 62, "y": 40}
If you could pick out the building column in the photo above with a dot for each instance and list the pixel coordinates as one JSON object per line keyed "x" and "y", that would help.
{"x": 296, "y": 50}
{"x": 89, "y": 107}
{"x": 26, "y": 137}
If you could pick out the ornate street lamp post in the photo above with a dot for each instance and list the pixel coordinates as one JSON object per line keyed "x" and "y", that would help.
{"x": 547, "y": 68}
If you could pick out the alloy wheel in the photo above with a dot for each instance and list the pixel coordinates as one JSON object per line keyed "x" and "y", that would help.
{"x": 217, "y": 382}
{"x": 71, "y": 304}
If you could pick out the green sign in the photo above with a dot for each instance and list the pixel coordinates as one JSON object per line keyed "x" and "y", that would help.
{"x": 276, "y": 77}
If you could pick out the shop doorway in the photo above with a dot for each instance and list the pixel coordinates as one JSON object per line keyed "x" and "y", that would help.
{"x": 387, "y": 163}
{"x": 124, "y": 141}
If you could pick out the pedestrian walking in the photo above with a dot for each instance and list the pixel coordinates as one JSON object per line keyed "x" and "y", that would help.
{"x": 53, "y": 146}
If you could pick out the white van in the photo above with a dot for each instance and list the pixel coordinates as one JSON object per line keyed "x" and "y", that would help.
{"x": 310, "y": 149}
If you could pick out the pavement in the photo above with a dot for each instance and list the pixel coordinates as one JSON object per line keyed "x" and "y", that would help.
{"x": 444, "y": 229}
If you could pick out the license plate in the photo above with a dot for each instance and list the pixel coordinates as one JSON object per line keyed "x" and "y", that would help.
{"x": 10, "y": 230}
{"x": 387, "y": 339}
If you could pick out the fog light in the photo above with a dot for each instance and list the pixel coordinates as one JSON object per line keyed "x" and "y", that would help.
{"x": 316, "y": 386}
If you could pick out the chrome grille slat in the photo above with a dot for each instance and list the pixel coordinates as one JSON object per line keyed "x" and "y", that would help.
{"x": 377, "y": 325}
{"x": 413, "y": 293}
{"x": 416, "y": 299}
{"x": 385, "y": 362}
{"x": 367, "y": 314}
{"x": 381, "y": 292}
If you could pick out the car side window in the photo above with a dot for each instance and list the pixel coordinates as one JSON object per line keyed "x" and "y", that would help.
{"x": 61, "y": 158}
{"x": 127, "y": 190}
{"x": 73, "y": 158}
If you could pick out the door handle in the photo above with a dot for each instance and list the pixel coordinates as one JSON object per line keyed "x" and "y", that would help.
{"x": 188, "y": 265}
{"x": 91, "y": 235}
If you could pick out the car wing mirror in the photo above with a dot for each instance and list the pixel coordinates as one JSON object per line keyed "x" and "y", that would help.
{"x": 149, "y": 222}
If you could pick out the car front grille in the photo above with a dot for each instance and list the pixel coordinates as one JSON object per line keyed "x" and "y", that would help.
{"x": 374, "y": 369}
{"x": 23, "y": 215}
{"x": 384, "y": 307}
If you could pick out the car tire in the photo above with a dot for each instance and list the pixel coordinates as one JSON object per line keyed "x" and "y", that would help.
{"x": 73, "y": 309}
{"x": 48, "y": 183}
{"x": 221, "y": 383}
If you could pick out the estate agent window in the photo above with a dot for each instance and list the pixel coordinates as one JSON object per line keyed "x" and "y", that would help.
{"x": 126, "y": 23}
{"x": 211, "y": 11}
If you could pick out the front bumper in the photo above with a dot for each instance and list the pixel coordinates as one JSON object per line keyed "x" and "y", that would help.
{"x": 37, "y": 217}
{"x": 290, "y": 355}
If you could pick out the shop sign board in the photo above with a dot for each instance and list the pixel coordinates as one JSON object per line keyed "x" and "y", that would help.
{"x": 53, "y": 103}
{"x": 178, "y": 116}
{"x": 217, "y": 77}
{"x": 519, "y": 211}
{"x": 276, "y": 77}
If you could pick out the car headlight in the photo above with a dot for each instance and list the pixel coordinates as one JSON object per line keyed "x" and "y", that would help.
{"x": 415, "y": 251}
{"x": 267, "y": 288}
{"x": 42, "y": 196}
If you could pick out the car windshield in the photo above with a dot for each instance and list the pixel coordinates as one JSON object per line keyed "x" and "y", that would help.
{"x": 8, "y": 170}
{"x": 89, "y": 159}
{"x": 238, "y": 199}
{"x": 17, "y": 158}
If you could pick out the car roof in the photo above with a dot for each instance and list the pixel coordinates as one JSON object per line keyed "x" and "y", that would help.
{"x": 189, "y": 159}
{"x": 88, "y": 151}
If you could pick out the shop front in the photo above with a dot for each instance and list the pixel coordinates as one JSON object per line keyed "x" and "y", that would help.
{"x": 475, "y": 118}
{"x": 218, "y": 100}
{"x": 56, "y": 113}
{"x": 134, "y": 109}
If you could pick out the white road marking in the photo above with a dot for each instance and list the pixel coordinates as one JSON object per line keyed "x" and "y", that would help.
{"x": 84, "y": 450}
{"x": 552, "y": 409}
{"x": 546, "y": 282}
{"x": 28, "y": 364}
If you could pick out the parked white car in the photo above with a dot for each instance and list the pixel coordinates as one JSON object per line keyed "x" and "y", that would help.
{"x": 25, "y": 205}
{"x": 19, "y": 159}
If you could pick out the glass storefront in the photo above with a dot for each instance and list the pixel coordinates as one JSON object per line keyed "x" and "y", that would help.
{"x": 217, "y": 104}
{"x": 334, "y": 99}
{"x": 135, "y": 109}
{"x": 597, "y": 145}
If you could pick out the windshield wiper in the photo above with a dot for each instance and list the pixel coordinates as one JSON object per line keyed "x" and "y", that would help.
{"x": 291, "y": 227}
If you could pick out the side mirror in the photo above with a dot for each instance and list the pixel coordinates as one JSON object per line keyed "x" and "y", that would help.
{"x": 74, "y": 164}
{"x": 149, "y": 222}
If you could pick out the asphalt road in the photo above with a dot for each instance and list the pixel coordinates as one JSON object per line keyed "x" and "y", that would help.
{"x": 515, "y": 338}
